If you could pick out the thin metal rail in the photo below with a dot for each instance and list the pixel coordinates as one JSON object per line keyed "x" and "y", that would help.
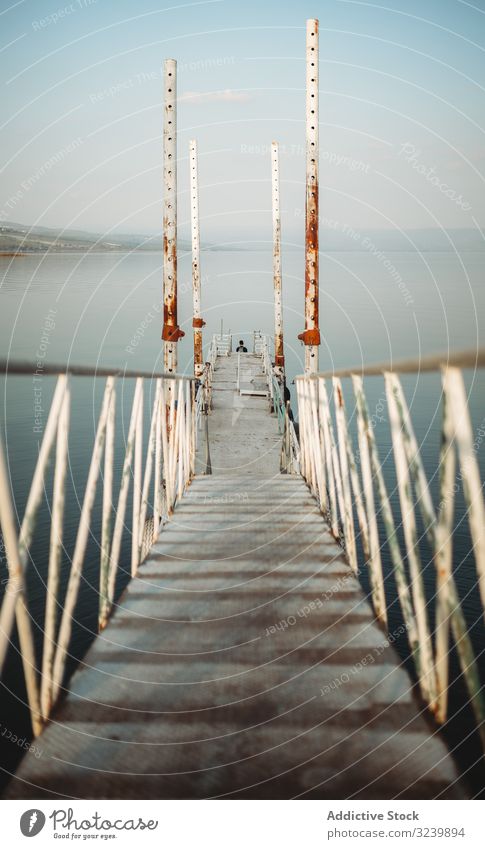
{"x": 166, "y": 463}
{"x": 18, "y": 367}
{"x": 351, "y": 490}
{"x": 468, "y": 359}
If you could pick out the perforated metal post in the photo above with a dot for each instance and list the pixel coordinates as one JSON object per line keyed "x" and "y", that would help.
{"x": 278, "y": 308}
{"x": 197, "y": 321}
{"x": 311, "y": 335}
{"x": 171, "y": 332}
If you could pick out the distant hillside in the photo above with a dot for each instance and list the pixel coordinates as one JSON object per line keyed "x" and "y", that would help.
{"x": 20, "y": 239}
{"x": 17, "y": 238}
{"x": 344, "y": 238}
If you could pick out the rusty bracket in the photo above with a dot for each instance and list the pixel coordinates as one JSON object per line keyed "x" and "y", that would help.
{"x": 171, "y": 333}
{"x": 279, "y": 360}
{"x": 310, "y": 336}
{"x": 198, "y": 322}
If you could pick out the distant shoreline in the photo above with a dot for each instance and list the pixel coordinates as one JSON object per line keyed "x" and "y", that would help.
{"x": 184, "y": 251}
{"x": 19, "y": 240}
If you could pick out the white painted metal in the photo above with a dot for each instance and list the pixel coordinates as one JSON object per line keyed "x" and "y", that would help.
{"x": 166, "y": 450}
{"x": 178, "y": 457}
{"x": 157, "y": 477}
{"x": 70, "y": 600}
{"x": 331, "y": 451}
{"x": 55, "y": 555}
{"x": 170, "y": 209}
{"x": 37, "y": 487}
{"x": 123, "y": 494}
{"x": 444, "y": 558}
{"x": 194, "y": 223}
{"x": 428, "y": 683}
{"x": 223, "y": 343}
{"x": 15, "y": 602}
{"x": 137, "y": 531}
{"x": 432, "y": 662}
{"x": 472, "y": 487}
{"x": 375, "y": 562}
{"x": 348, "y": 517}
{"x": 147, "y": 476}
{"x": 107, "y": 505}
{"x": 317, "y": 445}
{"x": 277, "y": 280}
{"x": 311, "y": 205}
{"x": 327, "y": 457}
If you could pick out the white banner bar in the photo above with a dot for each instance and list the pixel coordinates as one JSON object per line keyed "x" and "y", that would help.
{"x": 219, "y": 824}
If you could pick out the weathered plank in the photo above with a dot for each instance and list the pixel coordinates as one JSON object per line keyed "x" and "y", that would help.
{"x": 244, "y": 660}
{"x": 244, "y": 438}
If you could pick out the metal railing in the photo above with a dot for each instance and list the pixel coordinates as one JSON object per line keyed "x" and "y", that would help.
{"x": 351, "y": 493}
{"x": 290, "y": 449}
{"x": 203, "y": 400}
{"x": 276, "y": 402}
{"x": 163, "y": 467}
{"x": 259, "y": 339}
{"x": 223, "y": 343}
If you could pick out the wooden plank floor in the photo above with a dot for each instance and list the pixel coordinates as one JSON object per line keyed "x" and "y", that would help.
{"x": 243, "y": 661}
{"x": 243, "y": 437}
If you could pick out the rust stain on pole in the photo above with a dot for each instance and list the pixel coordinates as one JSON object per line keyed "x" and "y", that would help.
{"x": 197, "y": 321}
{"x": 311, "y": 335}
{"x": 278, "y": 309}
{"x": 171, "y": 332}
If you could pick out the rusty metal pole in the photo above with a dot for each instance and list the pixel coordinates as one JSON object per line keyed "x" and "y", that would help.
{"x": 311, "y": 335}
{"x": 171, "y": 332}
{"x": 278, "y": 308}
{"x": 197, "y": 321}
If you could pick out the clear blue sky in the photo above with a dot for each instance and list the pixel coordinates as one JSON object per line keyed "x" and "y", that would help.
{"x": 402, "y": 92}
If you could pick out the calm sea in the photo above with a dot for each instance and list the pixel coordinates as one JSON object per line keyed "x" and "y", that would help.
{"x": 103, "y": 308}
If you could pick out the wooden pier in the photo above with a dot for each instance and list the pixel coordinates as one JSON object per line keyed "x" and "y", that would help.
{"x": 243, "y": 660}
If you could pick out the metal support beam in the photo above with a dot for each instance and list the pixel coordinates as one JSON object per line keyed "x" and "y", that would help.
{"x": 311, "y": 335}
{"x": 171, "y": 332}
{"x": 197, "y": 321}
{"x": 278, "y": 308}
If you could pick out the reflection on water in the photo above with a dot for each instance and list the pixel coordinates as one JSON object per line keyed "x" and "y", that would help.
{"x": 106, "y": 309}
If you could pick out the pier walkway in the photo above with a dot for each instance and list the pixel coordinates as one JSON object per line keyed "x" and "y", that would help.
{"x": 243, "y": 660}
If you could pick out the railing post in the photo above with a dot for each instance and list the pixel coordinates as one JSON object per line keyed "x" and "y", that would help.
{"x": 157, "y": 478}
{"x": 151, "y": 451}
{"x": 375, "y": 562}
{"x": 277, "y": 283}
{"x": 136, "y": 505}
{"x": 122, "y": 502}
{"x": 311, "y": 335}
{"x": 197, "y": 322}
{"x": 411, "y": 539}
{"x": 55, "y": 555}
{"x": 171, "y": 332}
{"x": 70, "y": 599}
{"x": 16, "y": 596}
{"x": 330, "y": 472}
{"x": 106, "y": 522}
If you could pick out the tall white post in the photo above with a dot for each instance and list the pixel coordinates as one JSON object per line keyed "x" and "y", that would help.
{"x": 277, "y": 283}
{"x": 197, "y": 321}
{"x": 311, "y": 335}
{"x": 171, "y": 332}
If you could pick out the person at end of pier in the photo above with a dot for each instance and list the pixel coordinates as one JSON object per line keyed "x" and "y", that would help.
{"x": 241, "y": 348}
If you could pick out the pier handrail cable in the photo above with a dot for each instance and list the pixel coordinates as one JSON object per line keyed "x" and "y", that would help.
{"x": 351, "y": 490}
